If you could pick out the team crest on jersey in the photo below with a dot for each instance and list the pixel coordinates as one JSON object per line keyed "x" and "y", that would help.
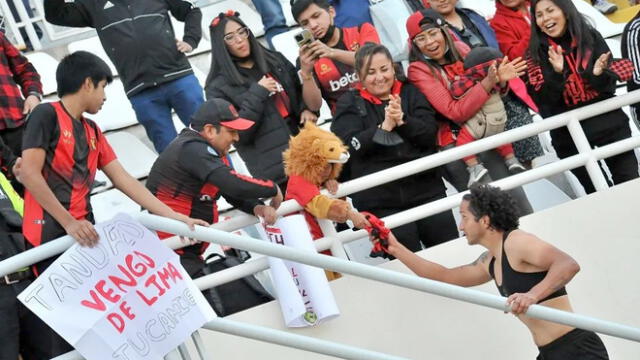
{"x": 355, "y": 46}
{"x": 92, "y": 143}
{"x": 324, "y": 69}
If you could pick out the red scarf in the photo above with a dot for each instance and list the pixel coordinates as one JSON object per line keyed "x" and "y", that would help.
{"x": 395, "y": 90}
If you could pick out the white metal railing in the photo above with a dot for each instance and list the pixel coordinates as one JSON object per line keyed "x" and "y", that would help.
{"x": 586, "y": 157}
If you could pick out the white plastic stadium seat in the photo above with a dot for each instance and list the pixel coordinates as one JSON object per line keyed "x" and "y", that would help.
{"x": 178, "y": 29}
{"x": 247, "y": 14}
{"x": 116, "y": 112}
{"x": 286, "y": 44}
{"x": 46, "y": 66}
{"x": 606, "y": 27}
{"x": 93, "y": 45}
{"x": 107, "y": 204}
{"x": 286, "y": 9}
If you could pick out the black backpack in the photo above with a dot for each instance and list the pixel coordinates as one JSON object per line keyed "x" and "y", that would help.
{"x": 235, "y": 296}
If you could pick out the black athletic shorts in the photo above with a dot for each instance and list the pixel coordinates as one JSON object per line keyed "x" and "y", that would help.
{"x": 577, "y": 344}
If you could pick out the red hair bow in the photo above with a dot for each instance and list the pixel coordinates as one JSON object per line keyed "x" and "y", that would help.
{"x": 220, "y": 16}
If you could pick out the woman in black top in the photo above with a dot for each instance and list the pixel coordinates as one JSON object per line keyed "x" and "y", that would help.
{"x": 263, "y": 85}
{"x": 388, "y": 122}
{"x": 569, "y": 67}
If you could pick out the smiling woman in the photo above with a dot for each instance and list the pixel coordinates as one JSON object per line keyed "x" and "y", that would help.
{"x": 388, "y": 122}
{"x": 569, "y": 67}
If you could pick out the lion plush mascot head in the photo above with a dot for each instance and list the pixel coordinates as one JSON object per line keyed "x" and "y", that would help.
{"x": 311, "y": 150}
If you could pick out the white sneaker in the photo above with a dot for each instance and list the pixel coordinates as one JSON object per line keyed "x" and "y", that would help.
{"x": 604, "y": 6}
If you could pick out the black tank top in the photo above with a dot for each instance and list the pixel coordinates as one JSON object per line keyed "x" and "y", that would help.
{"x": 516, "y": 281}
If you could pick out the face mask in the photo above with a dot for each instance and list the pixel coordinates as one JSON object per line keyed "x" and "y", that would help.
{"x": 329, "y": 34}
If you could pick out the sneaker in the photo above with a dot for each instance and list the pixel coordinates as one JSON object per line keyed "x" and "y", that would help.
{"x": 604, "y": 6}
{"x": 514, "y": 166}
{"x": 478, "y": 174}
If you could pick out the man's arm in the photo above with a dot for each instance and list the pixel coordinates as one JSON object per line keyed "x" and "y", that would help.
{"x": 31, "y": 176}
{"x": 475, "y": 273}
{"x": 24, "y": 73}
{"x": 60, "y": 12}
{"x": 560, "y": 267}
{"x": 191, "y": 15}
{"x": 142, "y": 196}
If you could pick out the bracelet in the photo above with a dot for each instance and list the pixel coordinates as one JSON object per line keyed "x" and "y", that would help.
{"x": 305, "y": 77}
{"x": 36, "y": 94}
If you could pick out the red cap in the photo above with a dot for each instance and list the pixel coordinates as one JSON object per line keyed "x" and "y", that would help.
{"x": 422, "y": 20}
{"x": 219, "y": 111}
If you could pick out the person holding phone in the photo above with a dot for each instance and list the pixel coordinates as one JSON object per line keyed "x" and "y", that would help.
{"x": 263, "y": 85}
{"x": 326, "y": 62}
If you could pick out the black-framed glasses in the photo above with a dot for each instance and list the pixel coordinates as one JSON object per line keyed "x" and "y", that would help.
{"x": 241, "y": 34}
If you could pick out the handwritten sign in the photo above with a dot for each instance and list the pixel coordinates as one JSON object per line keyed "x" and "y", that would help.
{"x": 303, "y": 291}
{"x": 126, "y": 298}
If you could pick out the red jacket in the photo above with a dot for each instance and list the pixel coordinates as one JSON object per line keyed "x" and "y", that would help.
{"x": 436, "y": 88}
{"x": 513, "y": 31}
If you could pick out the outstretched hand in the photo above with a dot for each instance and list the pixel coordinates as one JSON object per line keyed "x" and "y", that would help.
{"x": 601, "y": 64}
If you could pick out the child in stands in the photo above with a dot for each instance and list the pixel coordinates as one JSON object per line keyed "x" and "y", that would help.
{"x": 492, "y": 117}
{"x": 61, "y": 152}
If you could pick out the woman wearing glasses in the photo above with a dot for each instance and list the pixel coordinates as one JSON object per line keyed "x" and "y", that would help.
{"x": 263, "y": 85}
{"x": 436, "y": 62}
{"x": 472, "y": 29}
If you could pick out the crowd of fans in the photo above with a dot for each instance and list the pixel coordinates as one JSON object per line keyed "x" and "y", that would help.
{"x": 467, "y": 78}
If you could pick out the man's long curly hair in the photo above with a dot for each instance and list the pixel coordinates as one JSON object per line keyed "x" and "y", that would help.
{"x": 498, "y": 205}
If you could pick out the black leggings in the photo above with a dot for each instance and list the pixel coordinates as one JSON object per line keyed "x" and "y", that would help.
{"x": 577, "y": 344}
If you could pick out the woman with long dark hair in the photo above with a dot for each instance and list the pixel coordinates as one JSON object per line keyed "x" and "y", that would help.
{"x": 263, "y": 85}
{"x": 437, "y": 60}
{"x": 388, "y": 122}
{"x": 569, "y": 66}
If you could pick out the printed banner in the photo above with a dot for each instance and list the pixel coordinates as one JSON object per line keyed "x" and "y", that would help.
{"x": 303, "y": 291}
{"x": 126, "y": 298}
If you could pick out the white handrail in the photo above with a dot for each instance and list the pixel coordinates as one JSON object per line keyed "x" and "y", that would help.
{"x": 387, "y": 276}
{"x": 586, "y": 157}
{"x": 279, "y": 337}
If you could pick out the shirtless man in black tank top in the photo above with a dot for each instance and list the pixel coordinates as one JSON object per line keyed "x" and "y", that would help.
{"x": 525, "y": 269}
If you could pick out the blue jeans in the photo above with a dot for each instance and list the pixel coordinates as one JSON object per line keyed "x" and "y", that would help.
{"x": 350, "y": 13}
{"x": 153, "y": 108}
{"x": 272, "y": 18}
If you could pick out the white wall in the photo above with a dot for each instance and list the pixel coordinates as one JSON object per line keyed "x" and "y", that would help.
{"x": 599, "y": 231}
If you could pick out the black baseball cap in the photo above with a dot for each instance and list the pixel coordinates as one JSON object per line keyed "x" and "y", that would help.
{"x": 219, "y": 112}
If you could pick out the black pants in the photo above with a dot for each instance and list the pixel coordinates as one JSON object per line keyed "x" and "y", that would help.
{"x": 623, "y": 167}
{"x": 456, "y": 173}
{"x": 430, "y": 231}
{"x": 577, "y": 344}
{"x": 22, "y": 332}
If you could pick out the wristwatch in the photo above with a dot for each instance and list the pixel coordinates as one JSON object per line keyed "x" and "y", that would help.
{"x": 36, "y": 94}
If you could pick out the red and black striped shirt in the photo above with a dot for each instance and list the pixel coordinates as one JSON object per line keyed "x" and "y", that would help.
{"x": 189, "y": 177}
{"x": 15, "y": 69}
{"x": 75, "y": 149}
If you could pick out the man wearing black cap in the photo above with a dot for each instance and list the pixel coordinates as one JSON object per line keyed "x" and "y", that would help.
{"x": 193, "y": 172}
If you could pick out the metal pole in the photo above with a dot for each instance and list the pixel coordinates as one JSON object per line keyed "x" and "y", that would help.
{"x": 583, "y": 147}
{"x": 387, "y": 276}
{"x": 295, "y": 341}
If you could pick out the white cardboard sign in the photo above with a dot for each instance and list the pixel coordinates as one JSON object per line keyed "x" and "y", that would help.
{"x": 303, "y": 291}
{"x": 126, "y": 298}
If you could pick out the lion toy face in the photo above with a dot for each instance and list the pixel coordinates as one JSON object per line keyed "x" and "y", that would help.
{"x": 312, "y": 151}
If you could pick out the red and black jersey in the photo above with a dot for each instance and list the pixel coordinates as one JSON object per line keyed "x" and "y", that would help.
{"x": 75, "y": 149}
{"x": 15, "y": 69}
{"x": 335, "y": 78}
{"x": 189, "y": 177}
